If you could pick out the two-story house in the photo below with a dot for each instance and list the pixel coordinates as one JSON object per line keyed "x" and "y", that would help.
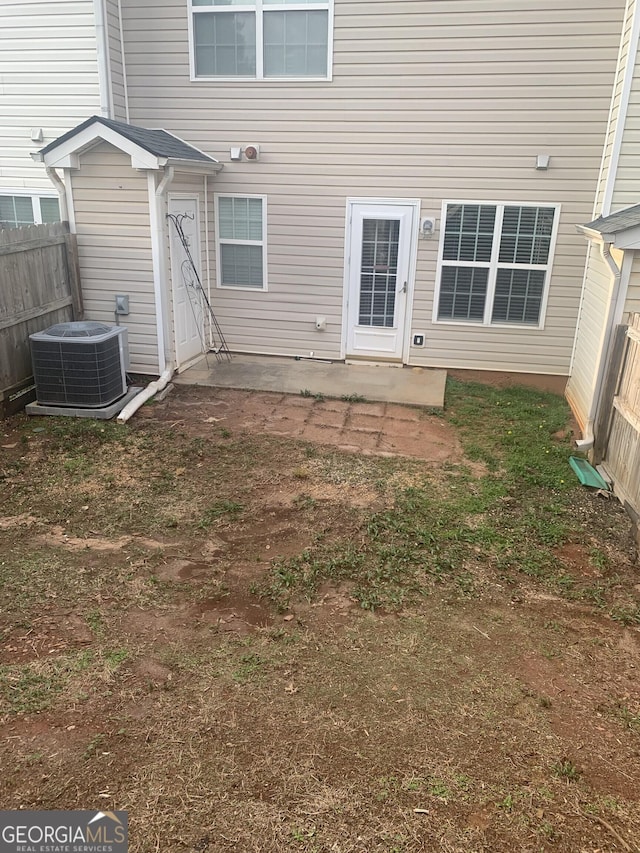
{"x": 396, "y": 182}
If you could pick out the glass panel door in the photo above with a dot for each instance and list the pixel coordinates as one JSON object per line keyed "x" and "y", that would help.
{"x": 379, "y": 258}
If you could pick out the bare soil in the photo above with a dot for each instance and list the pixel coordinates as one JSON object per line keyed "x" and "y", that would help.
{"x": 141, "y": 669}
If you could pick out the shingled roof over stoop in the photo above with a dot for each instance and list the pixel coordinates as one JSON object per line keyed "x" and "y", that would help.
{"x": 159, "y": 143}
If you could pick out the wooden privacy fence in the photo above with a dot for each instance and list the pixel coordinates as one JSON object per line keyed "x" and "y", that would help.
{"x": 618, "y": 429}
{"x": 39, "y": 286}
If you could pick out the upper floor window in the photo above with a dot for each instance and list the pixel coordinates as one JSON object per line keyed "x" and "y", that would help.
{"x": 495, "y": 262}
{"x": 19, "y": 210}
{"x": 262, "y": 39}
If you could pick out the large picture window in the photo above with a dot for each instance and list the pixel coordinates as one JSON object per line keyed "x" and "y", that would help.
{"x": 261, "y": 39}
{"x": 241, "y": 243}
{"x": 494, "y": 263}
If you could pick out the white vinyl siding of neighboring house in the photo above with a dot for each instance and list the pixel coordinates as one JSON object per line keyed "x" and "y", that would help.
{"x": 428, "y": 100}
{"x": 49, "y": 80}
{"x": 590, "y": 334}
{"x": 111, "y": 208}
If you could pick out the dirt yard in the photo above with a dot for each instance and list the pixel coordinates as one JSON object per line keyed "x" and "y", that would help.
{"x": 266, "y": 624}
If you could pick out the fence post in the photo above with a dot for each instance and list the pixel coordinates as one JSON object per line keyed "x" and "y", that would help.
{"x": 73, "y": 267}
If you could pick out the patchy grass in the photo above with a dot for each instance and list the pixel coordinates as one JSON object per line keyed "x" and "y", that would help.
{"x": 439, "y": 658}
{"x": 513, "y": 517}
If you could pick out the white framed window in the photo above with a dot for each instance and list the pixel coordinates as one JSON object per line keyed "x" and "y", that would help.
{"x": 241, "y": 241}
{"x": 19, "y": 210}
{"x": 261, "y": 39}
{"x": 494, "y": 263}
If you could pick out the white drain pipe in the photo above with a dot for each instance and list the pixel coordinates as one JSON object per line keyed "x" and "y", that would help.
{"x": 140, "y": 399}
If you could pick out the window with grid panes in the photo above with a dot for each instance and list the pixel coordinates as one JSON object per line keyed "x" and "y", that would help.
{"x": 495, "y": 263}
{"x": 17, "y": 211}
{"x": 261, "y": 38}
{"x": 241, "y": 230}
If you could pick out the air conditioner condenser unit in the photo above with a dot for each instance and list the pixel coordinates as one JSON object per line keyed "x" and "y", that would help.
{"x": 80, "y": 364}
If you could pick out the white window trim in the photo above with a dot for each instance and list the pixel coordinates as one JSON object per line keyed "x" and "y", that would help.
{"x": 219, "y": 284}
{"x": 493, "y": 266}
{"x": 260, "y": 78}
{"x": 35, "y": 196}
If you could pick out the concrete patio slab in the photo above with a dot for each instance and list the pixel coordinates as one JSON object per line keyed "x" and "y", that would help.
{"x": 413, "y": 386}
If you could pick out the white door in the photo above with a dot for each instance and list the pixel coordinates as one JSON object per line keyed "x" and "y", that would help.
{"x": 188, "y": 311}
{"x": 378, "y": 280}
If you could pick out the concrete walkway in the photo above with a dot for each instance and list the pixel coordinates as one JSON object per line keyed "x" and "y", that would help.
{"x": 414, "y": 386}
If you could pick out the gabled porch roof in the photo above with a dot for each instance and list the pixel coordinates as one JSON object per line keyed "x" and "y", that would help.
{"x": 148, "y": 148}
{"x": 622, "y": 228}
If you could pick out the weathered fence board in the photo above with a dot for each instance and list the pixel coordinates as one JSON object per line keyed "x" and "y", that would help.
{"x": 621, "y": 442}
{"x": 39, "y": 286}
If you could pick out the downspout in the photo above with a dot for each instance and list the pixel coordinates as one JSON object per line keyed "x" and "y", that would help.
{"x": 156, "y": 196}
{"x": 102, "y": 50}
{"x": 147, "y": 393}
{"x": 206, "y": 250}
{"x": 586, "y": 443}
{"x": 58, "y": 183}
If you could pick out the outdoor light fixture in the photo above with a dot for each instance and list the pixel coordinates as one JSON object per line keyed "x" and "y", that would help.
{"x": 427, "y": 226}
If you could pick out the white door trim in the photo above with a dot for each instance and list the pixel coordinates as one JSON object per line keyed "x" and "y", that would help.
{"x": 190, "y": 196}
{"x": 413, "y": 255}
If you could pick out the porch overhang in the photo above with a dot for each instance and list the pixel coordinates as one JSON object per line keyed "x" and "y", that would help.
{"x": 149, "y": 149}
{"x": 620, "y": 229}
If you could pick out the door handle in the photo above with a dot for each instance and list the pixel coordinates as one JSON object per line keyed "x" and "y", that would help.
{"x": 403, "y": 289}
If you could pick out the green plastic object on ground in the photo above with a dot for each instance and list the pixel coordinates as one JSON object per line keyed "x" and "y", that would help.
{"x": 587, "y": 474}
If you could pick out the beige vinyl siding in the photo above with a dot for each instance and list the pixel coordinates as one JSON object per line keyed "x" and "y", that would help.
{"x": 447, "y": 100}
{"x": 48, "y": 79}
{"x": 614, "y": 116}
{"x": 111, "y": 205}
{"x": 590, "y": 334}
{"x": 632, "y": 301}
{"x": 116, "y": 66}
